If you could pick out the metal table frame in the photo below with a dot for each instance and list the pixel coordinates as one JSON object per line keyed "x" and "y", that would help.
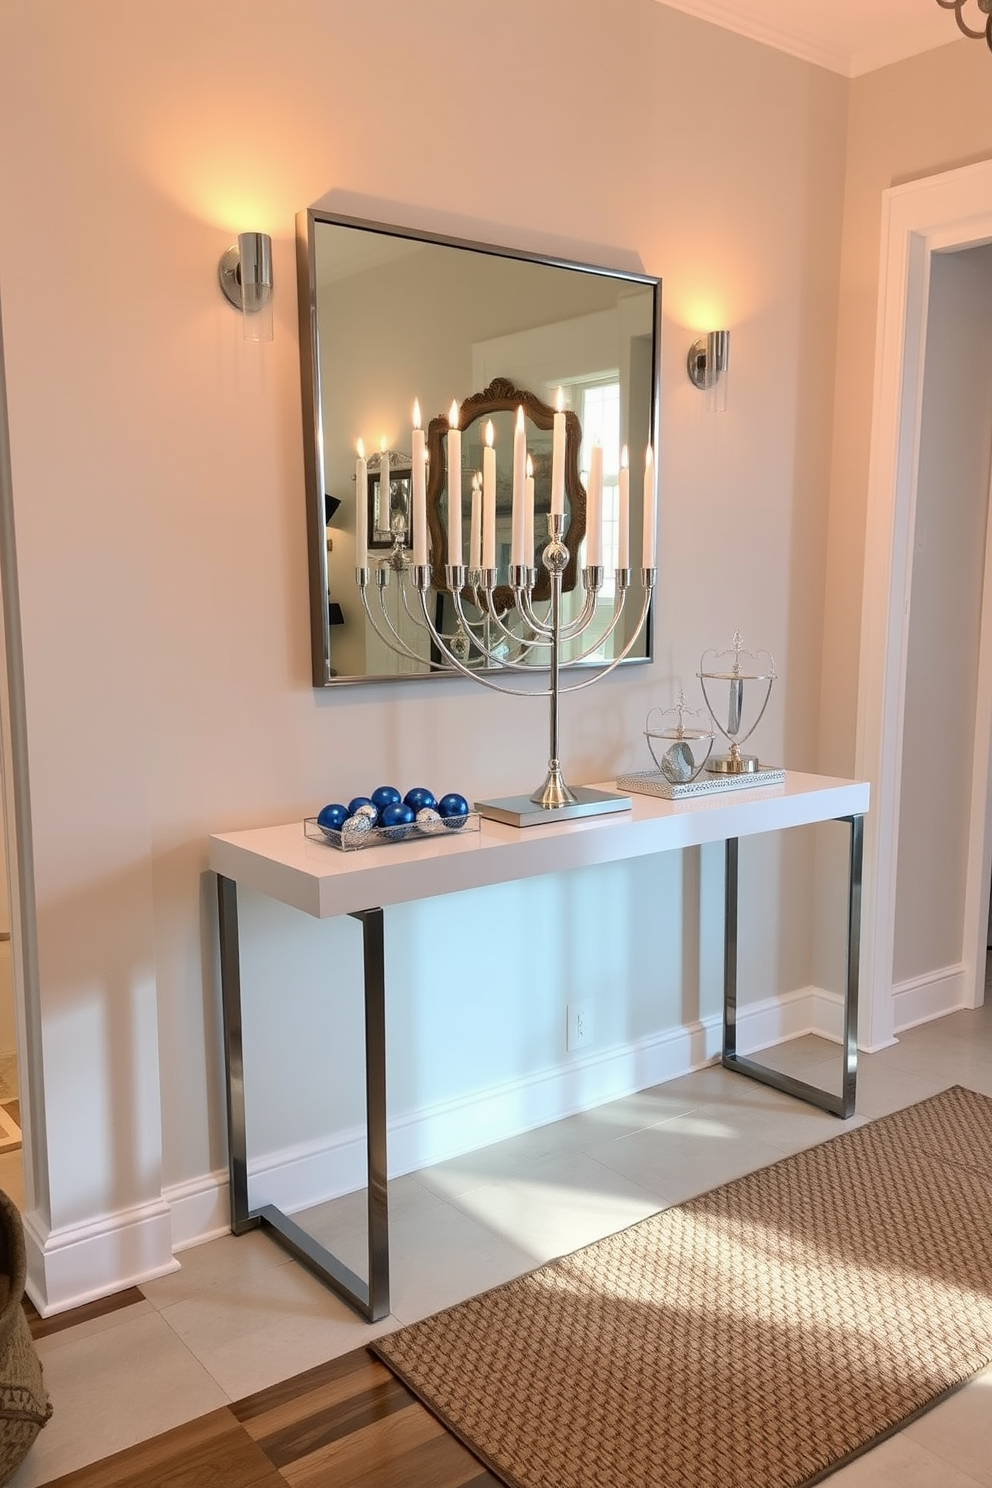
{"x": 371, "y": 1298}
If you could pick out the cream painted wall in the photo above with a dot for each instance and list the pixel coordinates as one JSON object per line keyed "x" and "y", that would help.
{"x": 158, "y": 482}
{"x": 917, "y": 118}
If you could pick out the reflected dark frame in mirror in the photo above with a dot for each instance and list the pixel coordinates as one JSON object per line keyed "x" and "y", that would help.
{"x": 392, "y": 527}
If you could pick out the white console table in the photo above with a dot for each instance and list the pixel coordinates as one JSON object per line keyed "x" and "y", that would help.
{"x": 282, "y": 863}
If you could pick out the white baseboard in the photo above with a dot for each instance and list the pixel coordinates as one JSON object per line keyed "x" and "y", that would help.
{"x": 778, "y": 1020}
{"x": 76, "y": 1264}
{"x": 80, "y": 1263}
{"x": 199, "y": 1210}
{"x": 308, "y": 1174}
{"x": 923, "y": 998}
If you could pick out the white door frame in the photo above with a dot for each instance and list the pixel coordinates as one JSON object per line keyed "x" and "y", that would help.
{"x": 953, "y": 210}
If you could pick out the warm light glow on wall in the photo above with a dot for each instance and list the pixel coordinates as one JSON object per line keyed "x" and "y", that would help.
{"x": 697, "y": 313}
{"x": 226, "y": 171}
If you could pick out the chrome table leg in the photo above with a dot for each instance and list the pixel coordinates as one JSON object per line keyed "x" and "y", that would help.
{"x": 839, "y": 1105}
{"x": 371, "y": 1299}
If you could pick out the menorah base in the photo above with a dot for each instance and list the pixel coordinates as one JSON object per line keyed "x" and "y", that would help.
{"x": 521, "y": 811}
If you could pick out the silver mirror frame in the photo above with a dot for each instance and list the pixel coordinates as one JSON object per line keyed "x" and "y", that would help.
{"x": 313, "y": 432}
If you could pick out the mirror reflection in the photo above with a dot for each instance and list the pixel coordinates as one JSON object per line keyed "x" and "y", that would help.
{"x": 388, "y": 316}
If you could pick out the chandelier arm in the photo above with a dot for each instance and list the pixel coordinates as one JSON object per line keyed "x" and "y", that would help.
{"x": 648, "y": 579}
{"x": 467, "y": 625}
{"x": 601, "y": 640}
{"x": 963, "y": 24}
{"x": 397, "y": 642}
{"x": 467, "y": 671}
{"x": 543, "y": 628}
{"x": 497, "y": 661}
{"x": 581, "y": 622}
{"x": 493, "y": 614}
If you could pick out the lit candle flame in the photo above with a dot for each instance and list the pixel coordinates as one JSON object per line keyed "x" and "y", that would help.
{"x": 453, "y": 414}
{"x": 361, "y": 449}
{"x": 530, "y": 466}
{"x": 560, "y": 400}
{"x": 520, "y": 418}
{"x": 490, "y": 434}
{"x": 624, "y": 458}
{"x": 416, "y": 413}
{"x": 382, "y": 444}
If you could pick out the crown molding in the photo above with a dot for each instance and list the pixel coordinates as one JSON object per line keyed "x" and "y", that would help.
{"x": 753, "y": 22}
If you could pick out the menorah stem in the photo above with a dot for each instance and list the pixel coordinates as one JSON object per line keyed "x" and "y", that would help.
{"x": 554, "y": 792}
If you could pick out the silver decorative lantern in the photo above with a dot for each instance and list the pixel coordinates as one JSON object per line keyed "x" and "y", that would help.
{"x": 747, "y": 677}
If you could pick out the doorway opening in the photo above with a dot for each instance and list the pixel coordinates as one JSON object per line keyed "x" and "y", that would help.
{"x": 935, "y": 216}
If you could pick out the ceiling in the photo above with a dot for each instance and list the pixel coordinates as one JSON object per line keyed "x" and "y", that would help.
{"x": 848, "y": 36}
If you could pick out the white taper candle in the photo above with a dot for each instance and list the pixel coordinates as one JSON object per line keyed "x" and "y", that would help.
{"x": 475, "y": 527}
{"x": 623, "y": 526}
{"x": 558, "y": 458}
{"x": 361, "y": 509}
{"x": 647, "y": 557}
{"x": 454, "y": 486}
{"x": 419, "y": 477}
{"x": 518, "y": 535}
{"x": 489, "y": 499}
{"x": 594, "y": 508}
{"x": 529, "y": 514}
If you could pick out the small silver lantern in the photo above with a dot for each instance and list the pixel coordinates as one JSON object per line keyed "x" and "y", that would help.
{"x": 748, "y": 677}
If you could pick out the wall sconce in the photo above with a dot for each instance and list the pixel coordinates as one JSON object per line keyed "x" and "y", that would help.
{"x": 245, "y": 274}
{"x": 708, "y": 363}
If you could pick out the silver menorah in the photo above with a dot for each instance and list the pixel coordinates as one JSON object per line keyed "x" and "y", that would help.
{"x": 533, "y": 645}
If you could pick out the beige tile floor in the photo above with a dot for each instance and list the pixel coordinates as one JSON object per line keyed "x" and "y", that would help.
{"x": 241, "y": 1315}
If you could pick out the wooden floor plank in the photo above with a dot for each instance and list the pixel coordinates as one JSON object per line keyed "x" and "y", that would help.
{"x": 409, "y": 1447}
{"x": 349, "y": 1423}
{"x": 214, "y": 1451}
{"x": 43, "y": 1327}
{"x": 325, "y": 1387}
{"x": 319, "y": 1428}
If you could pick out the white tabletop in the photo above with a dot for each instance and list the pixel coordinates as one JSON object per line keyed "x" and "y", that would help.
{"x": 323, "y": 881}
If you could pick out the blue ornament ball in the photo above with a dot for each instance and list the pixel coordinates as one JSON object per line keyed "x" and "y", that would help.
{"x": 453, "y": 810}
{"x": 420, "y": 798}
{"x": 332, "y": 818}
{"x": 396, "y": 819}
{"x": 356, "y": 804}
{"x": 385, "y": 795}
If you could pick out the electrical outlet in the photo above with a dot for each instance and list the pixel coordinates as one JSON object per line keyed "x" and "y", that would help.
{"x": 579, "y": 1025}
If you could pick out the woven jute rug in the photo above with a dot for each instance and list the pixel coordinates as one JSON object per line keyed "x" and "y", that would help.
{"x": 755, "y": 1337}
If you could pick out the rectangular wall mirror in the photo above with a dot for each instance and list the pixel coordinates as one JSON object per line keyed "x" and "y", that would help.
{"x": 387, "y": 316}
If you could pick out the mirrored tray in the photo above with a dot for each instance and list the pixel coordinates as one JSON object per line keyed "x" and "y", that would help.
{"x": 444, "y": 829}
